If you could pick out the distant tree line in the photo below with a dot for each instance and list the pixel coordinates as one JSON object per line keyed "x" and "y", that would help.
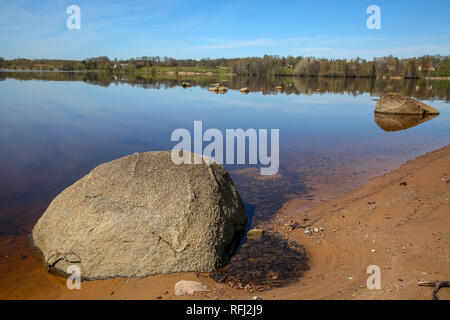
{"x": 269, "y": 65}
{"x": 357, "y": 67}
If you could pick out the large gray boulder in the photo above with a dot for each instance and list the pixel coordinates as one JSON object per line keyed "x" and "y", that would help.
{"x": 141, "y": 215}
{"x": 394, "y": 103}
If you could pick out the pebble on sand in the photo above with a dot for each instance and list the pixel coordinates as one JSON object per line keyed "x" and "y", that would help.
{"x": 187, "y": 287}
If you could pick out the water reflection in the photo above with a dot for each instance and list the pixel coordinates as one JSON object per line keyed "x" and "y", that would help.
{"x": 417, "y": 88}
{"x": 397, "y": 122}
{"x": 54, "y": 132}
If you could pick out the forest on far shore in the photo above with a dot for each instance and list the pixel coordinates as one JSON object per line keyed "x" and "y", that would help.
{"x": 269, "y": 65}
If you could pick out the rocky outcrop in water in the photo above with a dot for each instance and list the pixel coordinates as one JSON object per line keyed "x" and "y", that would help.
{"x": 141, "y": 215}
{"x": 394, "y": 103}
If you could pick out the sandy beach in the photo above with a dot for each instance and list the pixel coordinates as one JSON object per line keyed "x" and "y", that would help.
{"x": 398, "y": 221}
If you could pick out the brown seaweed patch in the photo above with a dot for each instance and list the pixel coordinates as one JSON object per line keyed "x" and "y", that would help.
{"x": 264, "y": 263}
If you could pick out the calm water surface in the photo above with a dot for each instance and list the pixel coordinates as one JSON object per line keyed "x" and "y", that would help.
{"x": 52, "y": 132}
{"x": 56, "y": 127}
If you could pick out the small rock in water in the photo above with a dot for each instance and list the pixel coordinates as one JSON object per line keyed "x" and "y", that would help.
{"x": 255, "y": 234}
{"x": 187, "y": 287}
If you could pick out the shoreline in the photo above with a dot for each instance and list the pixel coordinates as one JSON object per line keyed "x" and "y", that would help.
{"x": 216, "y": 74}
{"x": 397, "y": 220}
{"x": 343, "y": 250}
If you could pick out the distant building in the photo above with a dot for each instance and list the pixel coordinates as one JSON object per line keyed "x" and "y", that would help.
{"x": 428, "y": 67}
{"x": 120, "y": 65}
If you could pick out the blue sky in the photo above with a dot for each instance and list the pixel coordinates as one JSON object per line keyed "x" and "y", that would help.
{"x": 199, "y": 29}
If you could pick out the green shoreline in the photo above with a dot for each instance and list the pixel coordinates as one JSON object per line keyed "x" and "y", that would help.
{"x": 200, "y": 73}
{"x": 426, "y": 66}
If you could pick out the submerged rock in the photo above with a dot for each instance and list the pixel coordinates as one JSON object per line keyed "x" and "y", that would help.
{"x": 255, "y": 233}
{"x": 394, "y": 103}
{"x": 141, "y": 215}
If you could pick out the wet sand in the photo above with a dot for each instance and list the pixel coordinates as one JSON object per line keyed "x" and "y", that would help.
{"x": 398, "y": 221}
{"x": 404, "y": 229}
